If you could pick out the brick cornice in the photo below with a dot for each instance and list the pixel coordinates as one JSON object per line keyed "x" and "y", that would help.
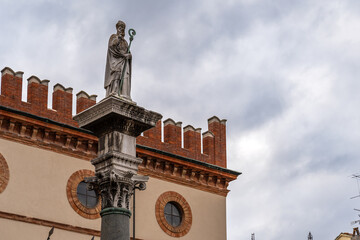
{"x": 185, "y": 173}
{"x": 47, "y": 223}
{"x": 50, "y": 136}
{"x": 188, "y": 161}
{"x": 71, "y": 141}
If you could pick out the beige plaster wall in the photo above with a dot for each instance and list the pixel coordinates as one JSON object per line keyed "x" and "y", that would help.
{"x": 208, "y": 212}
{"x": 37, "y": 186}
{"x": 14, "y": 230}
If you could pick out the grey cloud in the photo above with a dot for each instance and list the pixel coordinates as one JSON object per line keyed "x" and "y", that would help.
{"x": 283, "y": 73}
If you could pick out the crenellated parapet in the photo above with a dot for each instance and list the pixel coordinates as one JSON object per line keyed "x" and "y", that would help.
{"x": 183, "y": 155}
{"x": 213, "y": 140}
{"x": 37, "y": 97}
{"x": 208, "y": 147}
{"x": 84, "y": 101}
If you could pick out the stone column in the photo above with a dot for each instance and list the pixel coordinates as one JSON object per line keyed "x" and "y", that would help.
{"x": 116, "y": 122}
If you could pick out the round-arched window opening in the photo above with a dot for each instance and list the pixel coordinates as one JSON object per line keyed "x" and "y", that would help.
{"x": 84, "y": 202}
{"x": 173, "y": 214}
{"x": 88, "y": 198}
{"x": 4, "y": 173}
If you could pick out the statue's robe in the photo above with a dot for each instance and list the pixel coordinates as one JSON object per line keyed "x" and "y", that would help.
{"x": 115, "y": 62}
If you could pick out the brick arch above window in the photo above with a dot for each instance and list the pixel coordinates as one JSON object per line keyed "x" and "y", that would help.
{"x": 4, "y": 173}
{"x": 180, "y": 201}
{"x": 71, "y": 192}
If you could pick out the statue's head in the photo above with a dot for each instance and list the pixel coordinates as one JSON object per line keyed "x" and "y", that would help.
{"x": 120, "y": 23}
{"x": 120, "y": 27}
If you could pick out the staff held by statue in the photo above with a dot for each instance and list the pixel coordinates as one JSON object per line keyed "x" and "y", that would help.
{"x": 132, "y": 33}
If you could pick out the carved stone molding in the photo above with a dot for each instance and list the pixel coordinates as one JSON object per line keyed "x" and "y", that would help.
{"x": 46, "y": 135}
{"x": 184, "y": 207}
{"x": 114, "y": 187}
{"x": 191, "y": 176}
{"x": 135, "y": 119}
{"x": 71, "y": 192}
{"x": 4, "y": 173}
{"x": 73, "y": 142}
{"x": 117, "y": 160}
{"x": 116, "y": 122}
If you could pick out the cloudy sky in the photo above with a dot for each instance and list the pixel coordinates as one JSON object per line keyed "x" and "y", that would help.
{"x": 285, "y": 74}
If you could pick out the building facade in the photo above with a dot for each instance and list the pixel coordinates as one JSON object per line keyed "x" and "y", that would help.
{"x": 348, "y": 236}
{"x": 45, "y": 157}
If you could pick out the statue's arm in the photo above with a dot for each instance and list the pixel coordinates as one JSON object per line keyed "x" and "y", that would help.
{"x": 114, "y": 40}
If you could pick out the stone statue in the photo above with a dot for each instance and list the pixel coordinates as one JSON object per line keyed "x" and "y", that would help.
{"x": 118, "y": 64}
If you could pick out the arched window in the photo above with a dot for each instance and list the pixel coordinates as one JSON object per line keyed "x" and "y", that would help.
{"x": 85, "y": 202}
{"x": 173, "y": 214}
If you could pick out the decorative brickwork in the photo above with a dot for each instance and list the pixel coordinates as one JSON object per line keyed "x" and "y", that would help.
{"x": 42, "y": 133}
{"x": 71, "y": 192}
{"x": 4, "y": 173}
{"x": 37, "y": 132}
{"x": 190, "y": 174}
{"x": 11, "y": 89}
{"x": 214, "y": 140}
{"x": 185, "y": 209}
{"x": 32, "y": 123}
{"x": 84, "y": 101}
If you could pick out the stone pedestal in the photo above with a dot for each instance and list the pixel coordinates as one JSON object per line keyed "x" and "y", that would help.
{"x": 116, "y": 122}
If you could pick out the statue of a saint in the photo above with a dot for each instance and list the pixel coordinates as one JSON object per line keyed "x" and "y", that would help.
{"x": 118, "y": 64}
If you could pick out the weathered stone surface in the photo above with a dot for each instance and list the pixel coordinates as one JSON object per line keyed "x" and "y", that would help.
{"x": 117, "y": 114}
{"x": 118, "y": 63}
{"x": 117, "y": 122}
{"x": 110, "y": 222}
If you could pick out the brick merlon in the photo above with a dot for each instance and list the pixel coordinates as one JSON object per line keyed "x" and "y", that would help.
{"x": 169, "y": 121}
{"x": 82, "y": 94}
{"x": 93, "y": 97}
{"x": 19, "y": 74}
{"x": 69, "y": 90}
{"x": 7, "y": 70}
{"x": 207, "y": 134}
{"x": 35, "y": 79}
{"x": 213, "y": 119}
{"x": 58, "y": 86}
{"x": 189, "y": 128}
